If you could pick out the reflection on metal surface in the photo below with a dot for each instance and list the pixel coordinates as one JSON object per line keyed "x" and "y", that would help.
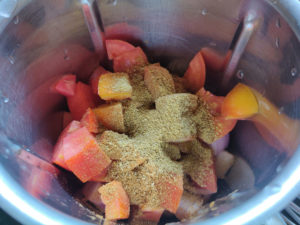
{"x": 7, "y": 7}
{"x": 93, "y": 21}
{"x": 219, "y": 206}
{"x": 250, "y": 23}
{"x": 51, "y": 36}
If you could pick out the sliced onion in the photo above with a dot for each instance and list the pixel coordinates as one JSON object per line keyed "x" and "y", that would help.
{"x": 241, "y": 176}
{"x": 224, "y": 162}
{"x": 189, "y": 206}
{"x": 220, "y": 144}
{"x": 90, "y": 191}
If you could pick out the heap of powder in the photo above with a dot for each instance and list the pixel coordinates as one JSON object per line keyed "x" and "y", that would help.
{"x": 198, "y": 164}
{"x": 179, "y": 84}
{"x": 140, "y": 161}
{"x": 206, "y": 127}
{"x": 159, "y": 81}
{"x": 176, "y": 111}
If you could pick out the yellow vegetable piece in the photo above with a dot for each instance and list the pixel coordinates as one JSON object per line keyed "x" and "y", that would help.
{"x": 240, "y": 103}
{"x": 278, "y": 130}
{"x": 114, "y": 86}
{"x": 277, "y": 125}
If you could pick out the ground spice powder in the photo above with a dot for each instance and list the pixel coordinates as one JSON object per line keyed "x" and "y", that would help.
{"x": 142, "y": 159}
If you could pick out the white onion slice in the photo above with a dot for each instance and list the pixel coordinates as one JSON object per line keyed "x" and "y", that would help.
{"x": 241, "y": 176}
{"x": 224, "y": 162}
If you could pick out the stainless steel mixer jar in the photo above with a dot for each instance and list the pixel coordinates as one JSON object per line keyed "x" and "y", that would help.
{"x": 43, "y": 39}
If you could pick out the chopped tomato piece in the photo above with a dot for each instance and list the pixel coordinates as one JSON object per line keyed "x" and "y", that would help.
{"x": 114, "y": 86}
{"x": 213, "y": 60}
{"x": 67, "y": 119}
{"x": 94, "y": 79}
{"x": 83, "y": 155}
{"x": 116, "y": 201}
{"x": 200, "y": 167}
{"x": 65, "y": 85}
{"x": 223, "y": 126}
{"x": 81, "y": 101}
{"x": 117, "y": 47}
{"x": 130, "y": 60}
{"x": 101, "y": 177}
{"x": 171, "y": 192}
{"x": 123, "y": 31}
{"x": 111, "y": 116}
{"x": 90, "y": 121}
{"x": 195, "y": 74}
{"x": 58, "y": 154}
{"x": 214, "y": 103}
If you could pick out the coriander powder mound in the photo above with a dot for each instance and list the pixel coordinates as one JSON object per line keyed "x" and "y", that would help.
{"x": 144, "y": 160}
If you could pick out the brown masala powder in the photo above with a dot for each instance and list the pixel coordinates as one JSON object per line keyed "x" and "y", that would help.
{"x": 144, "y": 158}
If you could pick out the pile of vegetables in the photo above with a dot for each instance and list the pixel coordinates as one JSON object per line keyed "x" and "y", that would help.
{"x": 90, "y": 114}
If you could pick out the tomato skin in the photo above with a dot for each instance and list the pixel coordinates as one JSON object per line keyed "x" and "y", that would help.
{"x": 58, "y": 154}
{"x": 129, "y": 60}
{"x": 214, "y": 102}
{"x": 195, "y": 74}
{"x": 65, "y": 85}
{"x": 81, "y": 101}
{"x": 117, "y": 47}
{"x": 223, "y": 126}
{"x": 123, "y": 31}
{"x": 117, "y": 205}
{"x": 90, "y": 121}
{"x": 94, "y": 79}
{"x": 213, "y": 60}
{"x": 83, "y": 155}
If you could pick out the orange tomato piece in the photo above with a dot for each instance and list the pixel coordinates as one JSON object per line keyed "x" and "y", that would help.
{"x": 130, "y": 60}
{"x": 171, "y": 192}
{"x": 213, "y": 60}
{"x": 90, "y": 121}
{"x": 101, "y": 177}
{"x": 83, "y": 155}
{"x": 111, "y": 116}
{"x": 117, "y": 205}
{"x": 58, "y": 154}
{"x": 81, "y": 101}
{"x": 223, "y": 125}
{"x": 117, "y": 47}
{"x": 65, "y": 85}
{"x": 195, "y": 74}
